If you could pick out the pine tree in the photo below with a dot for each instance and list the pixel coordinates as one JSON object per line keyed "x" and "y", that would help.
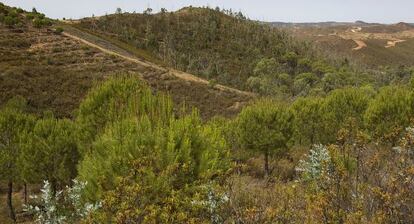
{"x": 50, "y": 153}
{"x": 146, "y": 132}
{"x": 118, "y": 98}
{"x": 13, "y": 123}
{"x": 391, "y": 110}
{"x": 266, "y": 127}
{"x": 308, "y": 120}
{"x": 340, "y": 107}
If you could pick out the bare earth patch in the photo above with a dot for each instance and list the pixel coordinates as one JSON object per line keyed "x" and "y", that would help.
{"x": 361, "y": 44}
{"x": 393, "y": 43}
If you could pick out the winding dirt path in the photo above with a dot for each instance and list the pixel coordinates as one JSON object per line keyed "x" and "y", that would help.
{"x": 393, "y": 43}
{"x": 361, "y": 44}
{"x": 126, "y": 56}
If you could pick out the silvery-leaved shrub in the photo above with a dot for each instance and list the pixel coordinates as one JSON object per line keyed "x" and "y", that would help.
{"x": 213, "y": 203}
{"x": 62, "y": 206}
{"x": 315, "y": 163}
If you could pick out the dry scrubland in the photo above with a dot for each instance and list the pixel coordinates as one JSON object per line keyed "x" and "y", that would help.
{"x": 54, "y": 72}
{"x": 369, "y": 44}
{"x": 106, "y": 101}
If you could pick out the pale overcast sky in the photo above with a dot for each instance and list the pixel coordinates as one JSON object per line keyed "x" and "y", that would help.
{"x": 385, "y": 11}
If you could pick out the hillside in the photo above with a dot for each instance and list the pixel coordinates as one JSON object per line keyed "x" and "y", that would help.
{"x": 222, "y": 46}
{"x": 205, "y": 42}
{"x": 369, "y": 45}
{"x": 54, "y": 70}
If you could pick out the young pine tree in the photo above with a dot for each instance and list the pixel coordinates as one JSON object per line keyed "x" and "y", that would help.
{"x": 13, "y": 123}
{"x": 266, "y": 127}
{"x": 50, "y": 153}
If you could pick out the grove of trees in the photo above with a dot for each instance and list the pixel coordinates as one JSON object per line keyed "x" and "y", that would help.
{"x": 349, "y": 156}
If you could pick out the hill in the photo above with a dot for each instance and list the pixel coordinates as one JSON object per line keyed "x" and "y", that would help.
{"x": 55, "y": 70}
{"x": 221, "y": 48}
{"x": 205, "y": 42}
{"x": 228, "y": 48}
{"x": 369, "y": 45}
{"x": 217, "y": 45}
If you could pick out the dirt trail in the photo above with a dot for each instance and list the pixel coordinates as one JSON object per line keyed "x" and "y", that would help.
{"x": 361, "y": 44}
{"x": 129, "y": 57}
{"x": 393, "y": 43}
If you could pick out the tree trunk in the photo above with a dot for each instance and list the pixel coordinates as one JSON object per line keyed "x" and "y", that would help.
{"x": 25, "y": 193}
{"x": 12, "y": 215}
{"x": 267, "y": 170}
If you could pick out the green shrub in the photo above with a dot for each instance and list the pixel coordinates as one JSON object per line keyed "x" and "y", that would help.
{"x": 10, "y": 21}
{"x": 58, "y": 30}
{"x": 40, "y": 23}
{"x": 13, "y": 13}
{"x": 30, "y": 16}
{"x": 41, "y": 16}
{"x": 37, "y": 23}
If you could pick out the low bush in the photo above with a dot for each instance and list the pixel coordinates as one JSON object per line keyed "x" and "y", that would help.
{"x": 58, "y": 30}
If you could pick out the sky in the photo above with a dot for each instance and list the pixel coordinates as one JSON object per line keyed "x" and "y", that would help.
{"x": 383, "y": 11}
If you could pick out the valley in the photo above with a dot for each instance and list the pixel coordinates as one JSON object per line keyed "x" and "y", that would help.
{"x": 375, "y": 44}
{"x": 203, "y": 115}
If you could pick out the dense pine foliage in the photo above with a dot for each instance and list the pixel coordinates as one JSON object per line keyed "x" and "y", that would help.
{"x": 346, "y": 157}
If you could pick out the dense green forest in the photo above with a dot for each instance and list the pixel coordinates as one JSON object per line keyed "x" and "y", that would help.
{"x": 339, "y": 151}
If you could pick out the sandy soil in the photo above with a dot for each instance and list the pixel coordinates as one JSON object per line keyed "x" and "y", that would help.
{"x": 359, "y": 36}
{"x": 393, "y": 43}
{"x": 361, "y": 44}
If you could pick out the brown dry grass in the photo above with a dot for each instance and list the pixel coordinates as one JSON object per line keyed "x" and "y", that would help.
{"x": 376, "y": 45}
{"x": 54, "y": 72}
